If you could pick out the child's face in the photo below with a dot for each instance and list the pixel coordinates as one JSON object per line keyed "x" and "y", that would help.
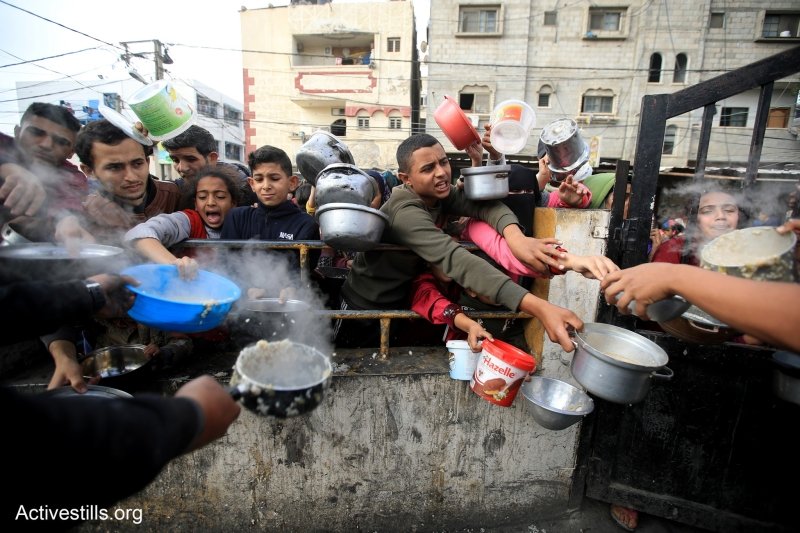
{"x": 429, "y": 174}
{"x": 271, "y": 184}
{"x": 212, "y": 201}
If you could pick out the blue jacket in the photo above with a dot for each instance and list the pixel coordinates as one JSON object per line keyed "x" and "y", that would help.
{"x": 285, "y": 222}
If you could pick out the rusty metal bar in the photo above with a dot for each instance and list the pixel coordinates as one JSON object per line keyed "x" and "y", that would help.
{"x": 386, "y": 324}
{"x": 284, "y": 245}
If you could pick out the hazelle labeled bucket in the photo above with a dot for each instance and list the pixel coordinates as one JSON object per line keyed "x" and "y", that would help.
{"x": 500, "y": 372}
{"x": 462, "y": 360}
{"x": 162, "y": 110}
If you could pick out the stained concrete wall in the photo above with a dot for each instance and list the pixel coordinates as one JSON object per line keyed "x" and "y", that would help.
{"x": 395, "y": 445}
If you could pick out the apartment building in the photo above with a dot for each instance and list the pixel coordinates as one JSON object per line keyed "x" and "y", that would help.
{"x": 594, "y": 61}
{"x": 346, "y": 68}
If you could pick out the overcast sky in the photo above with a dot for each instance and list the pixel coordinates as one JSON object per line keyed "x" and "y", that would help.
{"x": 181, "y": 23}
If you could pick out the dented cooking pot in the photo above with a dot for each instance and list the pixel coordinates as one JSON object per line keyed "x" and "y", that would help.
{"x": 343, "y": 183}
{"x": 759, "y": 253}
{"x": 616, "y": 364}
{"x": 319, "y": 151}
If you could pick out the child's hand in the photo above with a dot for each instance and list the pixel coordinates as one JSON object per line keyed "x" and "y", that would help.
{"x": 287, "y": 293}
{"x": 475, "y": 153}
{"x": 187, "y": 268}
{"x": 572, "y": 192}
{"x": 591, "y": 266}
{"x": 486, "y": 141}
{"x": 475, "y": 334}
{"x": 254, "y": 293}
{"x": 138, "y": 126}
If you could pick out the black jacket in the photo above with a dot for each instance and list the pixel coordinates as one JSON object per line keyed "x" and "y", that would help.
{"x": 284, "y": 222}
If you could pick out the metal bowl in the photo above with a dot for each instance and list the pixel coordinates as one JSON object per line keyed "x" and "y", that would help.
{"x": 556, "y": 404}
{"x": 95, "y": 392}
{"x": 351, "y": 227}
{"x": 486, "y": 183}
{"x": 114, "y": 361}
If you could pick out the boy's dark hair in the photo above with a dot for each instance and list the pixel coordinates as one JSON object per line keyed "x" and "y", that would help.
{"x": 194, "y": 137}
{"x": 54, "y": 113}
{"x": 302, "y": 193}
{"x": 101, "y": 131}
{"x": 226, "y": 173}
{"x": 411, "y": 145}
{"x": 270, "y": 154}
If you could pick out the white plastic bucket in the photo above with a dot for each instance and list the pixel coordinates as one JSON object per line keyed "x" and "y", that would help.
{"x": 512, "y": 122}
{"x": 462, "y": 360}
{"x": 162, "y": 110}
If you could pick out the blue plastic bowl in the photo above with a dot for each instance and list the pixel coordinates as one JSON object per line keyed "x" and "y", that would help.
{"x": 167, "y": 302}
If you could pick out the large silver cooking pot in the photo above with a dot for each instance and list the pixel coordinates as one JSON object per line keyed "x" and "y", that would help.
{"x": 351, "y": 227}
{"x": 319, "y": 151}
{"x": 616, "y": 364}
{"x": 486, "y": 183}
{"x": 759, "y": 253}
{"x": 53, "y": 262}
{"x": 343, "y": 183}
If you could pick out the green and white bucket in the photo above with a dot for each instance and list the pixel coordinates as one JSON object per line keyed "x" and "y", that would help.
{"x": 162, "y": 110}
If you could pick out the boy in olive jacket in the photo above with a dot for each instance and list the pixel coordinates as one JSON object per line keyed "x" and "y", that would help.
{"x": 416, "y": 211}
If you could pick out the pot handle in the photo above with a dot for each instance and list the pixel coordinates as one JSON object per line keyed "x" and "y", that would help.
{"x": 666, "y": 376}
{"x": 710, "y": 328}
{"x": 566, "y": 362}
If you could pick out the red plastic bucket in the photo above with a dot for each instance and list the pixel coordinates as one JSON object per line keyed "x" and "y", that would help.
{"x": 500, "y": 372}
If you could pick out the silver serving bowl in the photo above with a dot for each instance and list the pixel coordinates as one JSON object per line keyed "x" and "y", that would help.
{"x": 53, "y": 262}
{"x": 114, "y": 361}
{"x": 351, "y": 227}
{"x": 556, "y": 404}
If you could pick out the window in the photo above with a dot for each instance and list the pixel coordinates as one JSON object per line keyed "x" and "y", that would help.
{"x": 781, "y": 25}
{"x": 544, "y": 96}
{"x": 778, "y": 117}
{"x": 207, "y": 107}
{"x": 479, "y": 19}
{"x": 233, "y": 151}
{"x": 735, "y": 117}
{"x": 393, "y": 44}
{"x": 475, "y": 100}
{"x": 717, "y": 20}
{"x": 337, "y": 111}
{"x": 679, "y": 76}
{"x": 654, "y": 74}
{"x": 600, "y": 101}
{"x": 339, "y": 127}
{"x": 232, "y": 115}
{"x": 550, "y": 18}
{"x": 669, "y": 139}
{"x": 363, "y": 123}
{"x": 395, "y": 123}
{"x": 605, "y": 20}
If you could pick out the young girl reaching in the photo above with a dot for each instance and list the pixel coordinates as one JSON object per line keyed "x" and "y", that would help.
{"x": 215, "y": 191}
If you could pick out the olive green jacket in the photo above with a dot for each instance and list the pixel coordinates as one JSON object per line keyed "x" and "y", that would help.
{"x": 382, "y": 279}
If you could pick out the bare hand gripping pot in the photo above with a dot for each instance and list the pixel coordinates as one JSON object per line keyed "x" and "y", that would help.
{"x": 500, "y": 372}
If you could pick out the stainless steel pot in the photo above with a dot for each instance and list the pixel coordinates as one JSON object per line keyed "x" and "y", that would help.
{"x": 319, "y": 151}
{"x": 280, "y": 379}
{"x": 759, "y": 253}
{"x": 351, "y": 227}
{"x": 114, "y": 361}
{"x": 616, "y": 364}
{"x": 48, "y": 261}
{"x": 9, "y": 236}
{"x": 486, "y": 183}
{"x": 342, "y": 183}
{"x": 565, "y": 148}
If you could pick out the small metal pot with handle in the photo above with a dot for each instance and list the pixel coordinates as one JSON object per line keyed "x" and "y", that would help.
{"x": 616, "y": 364}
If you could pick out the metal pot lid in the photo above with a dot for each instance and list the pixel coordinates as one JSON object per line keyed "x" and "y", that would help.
{"x": 50, "y": 251}
{"x": 274, "y": 305}
{"x": 95, "y": 391}
{"x": 353, "y": 207}
{"x": 621, "y": 347}
{"x": 500, "y": 171}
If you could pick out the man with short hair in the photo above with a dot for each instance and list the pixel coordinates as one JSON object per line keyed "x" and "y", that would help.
{"x": 195, "y": 148}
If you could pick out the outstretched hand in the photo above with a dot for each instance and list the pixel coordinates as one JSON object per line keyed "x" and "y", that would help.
{"x": 646, "y": 283}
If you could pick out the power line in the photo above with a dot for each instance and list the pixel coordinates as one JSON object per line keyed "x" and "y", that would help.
{"x": 44, "y": 58}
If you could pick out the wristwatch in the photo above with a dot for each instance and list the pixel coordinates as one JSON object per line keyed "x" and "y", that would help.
{"x": 97, "y": 294}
